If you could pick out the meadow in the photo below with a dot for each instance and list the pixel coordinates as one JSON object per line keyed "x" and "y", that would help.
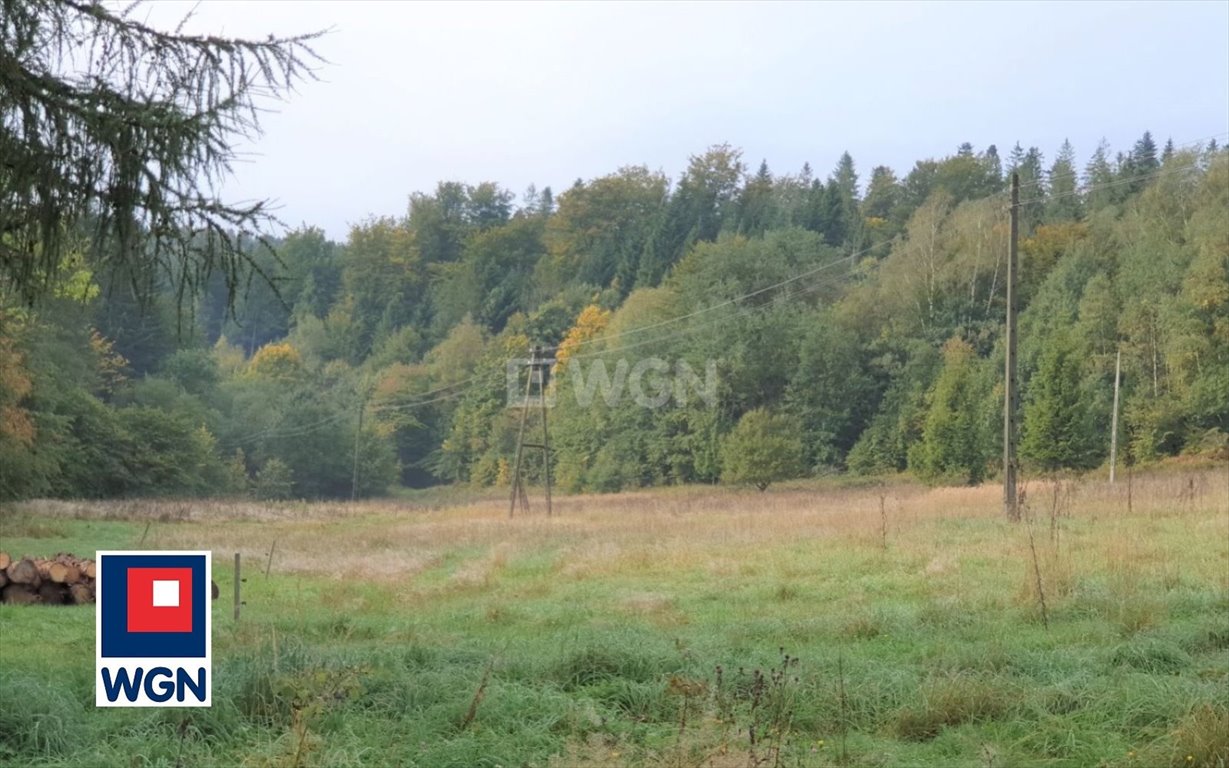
{"x": 819, "y": 624}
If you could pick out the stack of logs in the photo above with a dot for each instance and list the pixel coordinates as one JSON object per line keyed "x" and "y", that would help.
{"x": 60, "y": 580}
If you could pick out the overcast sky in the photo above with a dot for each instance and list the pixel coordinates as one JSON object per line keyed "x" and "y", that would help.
{"x": 548, "y": 93}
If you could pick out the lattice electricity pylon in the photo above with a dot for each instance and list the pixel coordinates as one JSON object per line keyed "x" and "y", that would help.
{"x": 539, "y": 364}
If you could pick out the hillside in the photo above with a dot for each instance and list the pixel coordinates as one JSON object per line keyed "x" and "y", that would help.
{"x": 847, "y": 324}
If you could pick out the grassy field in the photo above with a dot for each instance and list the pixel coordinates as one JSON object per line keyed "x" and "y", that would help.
{"x": 807, "y": 626}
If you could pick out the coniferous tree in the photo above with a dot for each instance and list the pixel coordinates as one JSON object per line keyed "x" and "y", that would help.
{"x": 755, "y": 203}
{"x": 1144, "y": 154}
{"x": 1064, "y": 202}
{"x": 1098, "y": 177}
{"x": 952, "y": 448}
{"x": 130, "y": 148}
{"x": 993, "y": 164}
{"x": 1140, "y": 164}
{"x": 1055, "y": 427}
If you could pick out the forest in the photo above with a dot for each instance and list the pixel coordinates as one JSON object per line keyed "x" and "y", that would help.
{"x": 854, "y": 324}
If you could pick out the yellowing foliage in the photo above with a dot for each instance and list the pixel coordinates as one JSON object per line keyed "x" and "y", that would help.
{"x": 591, "y": 321}
{"x": 15, "y": 385}
{"x": 276, "y": 362}
{"x": 111, "y": 364}
{"x": 1049, "y": 242}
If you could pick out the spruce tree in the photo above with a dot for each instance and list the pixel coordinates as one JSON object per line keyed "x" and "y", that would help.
{"x": 1056, "y": 427}
{"x": 953, "y": 447}
{"x": 1097, "y": 174}
{"x": 1064, "y": 203}
{"x": 1144, "y": 154}
{"x": 993, "y": 164}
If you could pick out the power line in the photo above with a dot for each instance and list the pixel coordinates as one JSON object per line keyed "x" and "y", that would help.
{"x": 461, "y": 388}
{"x": 736, "y": 299}
{"x": 738, "y": 312}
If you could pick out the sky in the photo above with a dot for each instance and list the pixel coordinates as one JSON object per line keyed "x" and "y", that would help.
{"x": 546, "y": 93}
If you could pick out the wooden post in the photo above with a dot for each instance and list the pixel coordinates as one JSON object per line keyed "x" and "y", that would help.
{"x": 542, "y": 366}
{"x": 1010, "y": 395}
{"x": 357, "y": 436}
{"x": 237, "y": 601}
{"x": 1130, "y": 504}
{"x": 1114, "y": 419}
{"x": 269, "y": 565}
{"x": 520, "y": 445}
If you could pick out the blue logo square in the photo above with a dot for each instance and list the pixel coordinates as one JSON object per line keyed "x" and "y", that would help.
{"x": 117, "y": 641}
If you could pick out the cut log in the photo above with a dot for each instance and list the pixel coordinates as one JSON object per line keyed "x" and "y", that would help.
{"x": 63, "y": 573}
{"x": 61, "y": 580}
{"x": 19, "y": 594}
{"x": 214, "y": 586}
{"x": 5, "y": 560}
{"x": 24, "y": 571}
{"x": 52, "y": 593}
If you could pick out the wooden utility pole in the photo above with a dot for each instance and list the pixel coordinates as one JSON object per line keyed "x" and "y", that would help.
{"x": 520, "y": 449}
{"x": 1010, "y": 395}
{"x": 539, "y": 365}
{"x": 357, "y": 435}
{"x": 1114, "y": 419}
{"x": 543, "y": 371}
{"x": 238, "y": 581}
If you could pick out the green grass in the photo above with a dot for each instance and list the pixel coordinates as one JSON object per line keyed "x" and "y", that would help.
{"x": 929, "y": 653}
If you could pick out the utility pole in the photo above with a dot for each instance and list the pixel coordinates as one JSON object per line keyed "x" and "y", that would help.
{"x": 1114, "y": 418}
{"x": 542, "y": 371}
{"x": 1010, "y": 395}
{"x": 520, "y": 449}
{"x": 362, "y": 405}
{"x": 540, "y": 362}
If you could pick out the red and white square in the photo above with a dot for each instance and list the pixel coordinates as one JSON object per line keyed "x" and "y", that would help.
{"x": 159, "y": 599}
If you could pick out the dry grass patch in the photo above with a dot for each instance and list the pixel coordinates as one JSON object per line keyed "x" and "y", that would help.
{"x": 1201, "y": 740}
{"x": 953, "y": 701}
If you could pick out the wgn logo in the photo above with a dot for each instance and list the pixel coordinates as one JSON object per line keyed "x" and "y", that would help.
{"x": 153, "y": 629}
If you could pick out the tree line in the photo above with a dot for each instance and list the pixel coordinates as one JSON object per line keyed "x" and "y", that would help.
{"x": 855, "y": 326}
